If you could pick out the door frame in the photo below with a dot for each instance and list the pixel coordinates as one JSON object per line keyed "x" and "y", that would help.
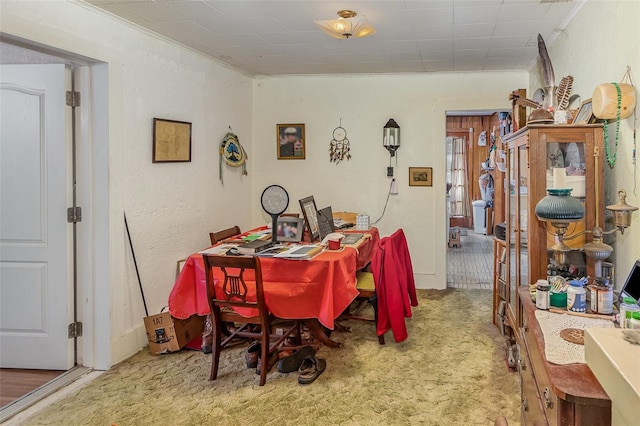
{"x": 93, "y": 244}
{"x": 93, "y": 195}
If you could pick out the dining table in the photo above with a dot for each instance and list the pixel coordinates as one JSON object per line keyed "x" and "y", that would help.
{"x": 317, "y": 290}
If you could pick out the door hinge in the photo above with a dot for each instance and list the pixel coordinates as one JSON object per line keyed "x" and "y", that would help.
{"x": 74, "y": 214}
{"x": 75, "y": 330}
{"x": 73, "y": 99}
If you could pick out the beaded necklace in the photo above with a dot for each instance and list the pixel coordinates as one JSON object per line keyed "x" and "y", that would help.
{"x": 611, "y": 158}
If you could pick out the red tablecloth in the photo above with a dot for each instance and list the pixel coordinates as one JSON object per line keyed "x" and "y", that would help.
{"x": 319, "y": 288}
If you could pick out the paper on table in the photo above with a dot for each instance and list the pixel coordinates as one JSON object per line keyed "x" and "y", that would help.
{"x": 221, "y": 249}
{"x": 300, "y": 252}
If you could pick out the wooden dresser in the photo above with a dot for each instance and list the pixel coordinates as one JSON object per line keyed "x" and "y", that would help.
{"x": 555, "y": 394}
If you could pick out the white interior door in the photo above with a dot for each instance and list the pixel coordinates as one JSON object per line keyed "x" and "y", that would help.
{"x": 35, "y": 282}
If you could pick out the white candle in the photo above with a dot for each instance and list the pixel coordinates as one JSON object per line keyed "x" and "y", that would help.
{"x": 559, "y": 178}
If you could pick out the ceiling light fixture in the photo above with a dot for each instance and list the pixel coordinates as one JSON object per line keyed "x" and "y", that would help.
{"x": 349, "y": 24}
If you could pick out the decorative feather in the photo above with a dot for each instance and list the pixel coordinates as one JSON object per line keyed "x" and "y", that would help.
{"x": 573, "y": 99}
{"x": 547, "y": 67}
{"x": 538, "y": 96}
{"x": 564, "y": 92}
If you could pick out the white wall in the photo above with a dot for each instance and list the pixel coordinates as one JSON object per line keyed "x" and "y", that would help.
{"x": 417, "y": 102}
{"x": 170, "y": 207}
{"x": 597, "y": 47}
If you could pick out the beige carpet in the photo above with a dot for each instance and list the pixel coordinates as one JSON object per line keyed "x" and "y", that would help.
{"x": 451, "y": 371}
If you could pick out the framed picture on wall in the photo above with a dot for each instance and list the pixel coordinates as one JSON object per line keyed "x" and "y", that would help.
{"x": 171, "y": 141}
{"x": 291, "y": 143}
{"x": 420, "y": 176}
{"x": 585, "y": 113}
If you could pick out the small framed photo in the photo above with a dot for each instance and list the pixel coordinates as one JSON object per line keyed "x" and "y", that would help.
{"x": 310, "y": 213}
{"x": 290, "y": 229}
{"x": 171, "y": 141}
{"x": 585, "y": 113}
{"x": 291, "y": 142}
{"x": 420, "y": 176}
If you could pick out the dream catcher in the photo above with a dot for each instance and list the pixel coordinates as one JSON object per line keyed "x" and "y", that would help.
{"x": 339, "y": 148}
{"x": 233, "y": 153}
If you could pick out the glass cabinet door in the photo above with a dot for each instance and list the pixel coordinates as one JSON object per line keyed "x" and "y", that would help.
{"x": 523, "y": 208}
{"x": 566, "y": 168}
{"x": 512, "y": 227}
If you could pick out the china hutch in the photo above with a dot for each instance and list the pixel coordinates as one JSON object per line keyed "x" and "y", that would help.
{"x": 541, "y": 156}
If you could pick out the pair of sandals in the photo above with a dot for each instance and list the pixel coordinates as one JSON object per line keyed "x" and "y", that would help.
{"x": 302, "y": 360}
{"x": 290, "y": 359}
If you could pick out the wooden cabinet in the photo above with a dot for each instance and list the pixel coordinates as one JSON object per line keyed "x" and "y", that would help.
{"x": 548, "y": 156}
{"x": 540, "y": 157}
{"x": 555, "y": 394}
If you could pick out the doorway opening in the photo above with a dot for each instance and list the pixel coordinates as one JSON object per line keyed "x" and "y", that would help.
{"x": 472, "y": 208}
{"x": 53, "y": 178}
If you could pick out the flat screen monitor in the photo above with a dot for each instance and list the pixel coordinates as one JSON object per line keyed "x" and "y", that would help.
{"x": 632, "y": 285}
{"x": 325, "y": 222}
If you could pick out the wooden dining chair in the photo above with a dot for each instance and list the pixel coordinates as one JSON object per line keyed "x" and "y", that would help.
{"x": 366, "y": 287}
{"x": 216, "y": 237}
{"x": 237, "y": 292}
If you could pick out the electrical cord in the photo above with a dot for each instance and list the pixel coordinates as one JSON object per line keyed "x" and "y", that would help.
{"x": 385, "y": 203}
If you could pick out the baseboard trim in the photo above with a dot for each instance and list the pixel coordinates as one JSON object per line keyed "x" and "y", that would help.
{"x": 430, "y": 281}
{"x": 128, "y": 344}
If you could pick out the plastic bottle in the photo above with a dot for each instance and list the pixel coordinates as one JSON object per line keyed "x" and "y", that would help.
{"x": 627, "y": 307}
{"x": 576, "y": 297}
{"x": 634, "y": 322}
{"x": 542, "y": 294}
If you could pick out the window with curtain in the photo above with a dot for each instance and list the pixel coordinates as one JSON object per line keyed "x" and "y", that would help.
{"x": 457, "y": 177}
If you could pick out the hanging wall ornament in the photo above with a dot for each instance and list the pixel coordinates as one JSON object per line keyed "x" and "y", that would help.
{"x": 232, "y": 153}
{"x": 614, "y": 101}
{"x": 339, "y": 148}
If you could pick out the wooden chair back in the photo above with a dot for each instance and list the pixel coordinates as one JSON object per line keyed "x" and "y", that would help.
{"x": 234, "y": 293}
{"x": 216, "y": 237}
{"x": 235, "y": 287}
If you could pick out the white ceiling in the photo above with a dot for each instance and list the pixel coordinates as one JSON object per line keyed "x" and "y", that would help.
{"x": 265, "y": 37}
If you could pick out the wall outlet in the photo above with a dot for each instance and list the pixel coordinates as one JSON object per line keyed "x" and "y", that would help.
{"x": 394, "y": 187}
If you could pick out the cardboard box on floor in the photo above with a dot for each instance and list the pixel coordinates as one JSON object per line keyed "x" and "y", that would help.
{"x": 167, "y": 334}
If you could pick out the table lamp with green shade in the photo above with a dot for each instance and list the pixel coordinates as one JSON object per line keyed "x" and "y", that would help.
{"x": 560, "y": 209}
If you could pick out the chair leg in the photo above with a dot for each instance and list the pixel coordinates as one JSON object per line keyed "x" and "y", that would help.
{"x": 374, "y": 302}
{"x": 265, "y": 357}
{"x": 299, "y": 333}
{"x": 217, "y": 347}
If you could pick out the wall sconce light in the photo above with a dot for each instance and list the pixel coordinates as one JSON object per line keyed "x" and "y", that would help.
{"x": 391, "y": 141}
{"x": 622, "y": 211}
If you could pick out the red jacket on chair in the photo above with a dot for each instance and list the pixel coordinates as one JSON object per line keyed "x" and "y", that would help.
{"x": 395, "y": 285}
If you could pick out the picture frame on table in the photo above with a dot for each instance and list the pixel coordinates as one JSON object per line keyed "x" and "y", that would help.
{"x": 310, "y": 213}
{"x": 171, "y": 141}
{"x": 290, "y": 229}
{"x": 420, "y": 176}
{"x": 291, "y": 142}
{"x": 585, "y": 113}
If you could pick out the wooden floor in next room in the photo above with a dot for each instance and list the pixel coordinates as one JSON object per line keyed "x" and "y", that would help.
{"x": 16, "y": 383}
{"x": 471, "y": 265}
